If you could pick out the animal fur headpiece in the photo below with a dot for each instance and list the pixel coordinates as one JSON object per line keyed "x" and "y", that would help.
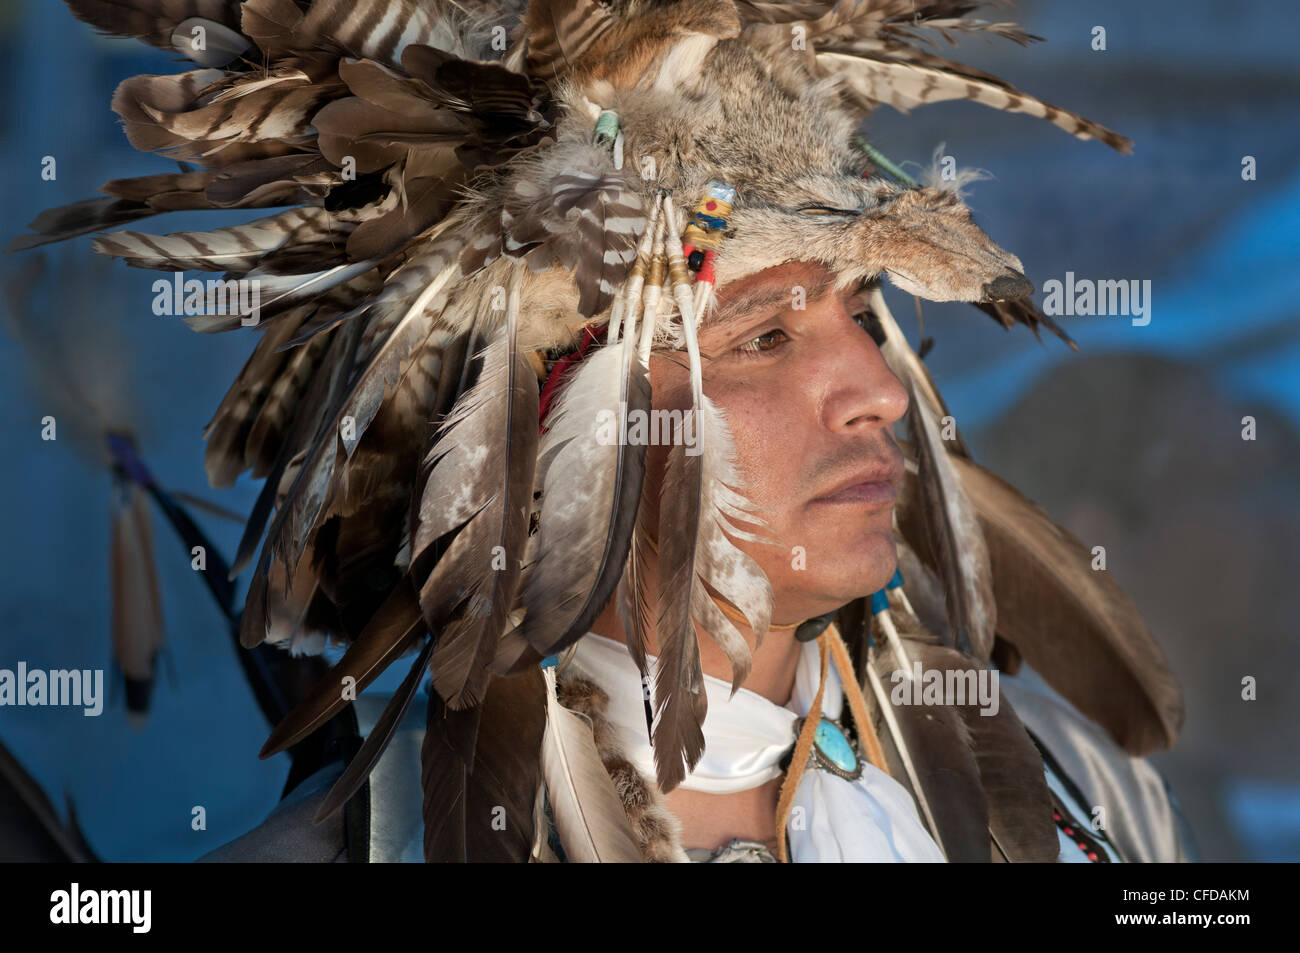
{"x": 472, "y": 184}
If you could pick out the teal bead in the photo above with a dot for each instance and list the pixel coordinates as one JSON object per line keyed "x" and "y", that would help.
{"x": 607, "y": 125}
{"x": 835, "y": 747}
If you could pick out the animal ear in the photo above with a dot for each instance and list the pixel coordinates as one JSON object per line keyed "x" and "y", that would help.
{"x": 926, "y": 243}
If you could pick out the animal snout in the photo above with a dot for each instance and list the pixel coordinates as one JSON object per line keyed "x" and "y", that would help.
{"x": 1006, "y": 287}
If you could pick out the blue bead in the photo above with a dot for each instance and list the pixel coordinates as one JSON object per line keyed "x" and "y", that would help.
{"x": 834, "y": 746}
{"x": 879, "y": 602}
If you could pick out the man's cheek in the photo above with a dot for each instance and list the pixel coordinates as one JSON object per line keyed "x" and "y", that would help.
{"x": 764, "y": 455}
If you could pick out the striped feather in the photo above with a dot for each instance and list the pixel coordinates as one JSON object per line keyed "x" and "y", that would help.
{"x": 140, "y": 99}
{"x": 413, "y": 331}
{"x": 559, "y": 34}
{"x": 287, "y": 476}
{"x": 695, "y": 555}
{"x": 282, "y": 113}
{"x": 576, "y": 211}
{"x": 236, "y": 248}
{"x": 908, "y": 85}
{"x": 227, "y": 432}
{"x": 382, "y": 29}
{"x": 268, "y": 430}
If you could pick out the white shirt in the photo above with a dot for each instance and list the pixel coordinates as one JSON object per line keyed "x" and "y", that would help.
{"x": 872, "y": 819}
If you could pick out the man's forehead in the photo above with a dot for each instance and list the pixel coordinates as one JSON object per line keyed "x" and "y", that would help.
{"x": 771, "y": 287}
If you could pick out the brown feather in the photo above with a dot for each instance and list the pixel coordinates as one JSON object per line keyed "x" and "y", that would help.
{"x": 318, "y": 408}
{"x": 376, "y": 743}
{"x": 137, "y": 600}
{"x": 468, "y": 596}
{"x": 152, "y": 20}
{"x": 680, "y": 699}
{"x": 1024, "y": 311}
{"x": 939, "y": 743}
{"x": 321, "y": 393}
{"x": 955, "y": 537}
{"x": 1075, "y": 626}
{"x": 390, "y": 634}
{"x": 268, "y": 431}
{"x": 227, "y": 433}
{"x": 31, "y": 830}
{"x": 481, "y": 773}
{"x": 1017, "y": 806}
{"x": 585, "y": 39}
{"x": 874, "y": 78}
{"x": 1011, "y": 775}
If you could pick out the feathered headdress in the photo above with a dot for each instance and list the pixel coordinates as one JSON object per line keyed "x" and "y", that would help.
{"x": 474, "y": 188}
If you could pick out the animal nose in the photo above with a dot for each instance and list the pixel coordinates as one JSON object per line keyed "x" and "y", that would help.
{"x": 1005, "y": 287}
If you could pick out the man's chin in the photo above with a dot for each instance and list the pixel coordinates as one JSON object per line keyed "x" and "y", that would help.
{"x": 836, "y": 576}
{"x": 873, "y": 576}
{"x": 866, "y": 564}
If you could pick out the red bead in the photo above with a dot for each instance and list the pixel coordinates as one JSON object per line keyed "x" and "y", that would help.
{"x": 1091, "y": 855}
{"x": 710, "y": 205}
{"x": 1056, "y": 816}
{"x": 1069, "y": 832}
{"x": 1083, "y": 847}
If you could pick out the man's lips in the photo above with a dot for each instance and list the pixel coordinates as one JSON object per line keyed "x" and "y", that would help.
{"x": 870, "y": 491}
{"x": 876, "y": 484}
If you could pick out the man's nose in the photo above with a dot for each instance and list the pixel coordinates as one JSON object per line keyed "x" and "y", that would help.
{"x": 860, "y": 391}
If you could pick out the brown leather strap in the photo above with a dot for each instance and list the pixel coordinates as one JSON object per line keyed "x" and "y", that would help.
{"x": 857, "y": 704}
{"x": 802, "y": 751}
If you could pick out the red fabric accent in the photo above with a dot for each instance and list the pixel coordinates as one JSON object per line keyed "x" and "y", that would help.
{"x": 706, "y": 272}
{"x": 560, "y": 371}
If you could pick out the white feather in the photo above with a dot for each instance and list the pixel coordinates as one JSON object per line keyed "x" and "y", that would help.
{"x": 589, "y": 814}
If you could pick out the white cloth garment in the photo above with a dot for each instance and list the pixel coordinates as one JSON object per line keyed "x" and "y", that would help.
{"x": 873, "y": 819}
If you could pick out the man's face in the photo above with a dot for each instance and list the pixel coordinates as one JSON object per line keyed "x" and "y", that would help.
{"x": 810, "y": 402}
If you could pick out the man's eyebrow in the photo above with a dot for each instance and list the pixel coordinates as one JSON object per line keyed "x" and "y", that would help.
{"x": 766, "y": 296}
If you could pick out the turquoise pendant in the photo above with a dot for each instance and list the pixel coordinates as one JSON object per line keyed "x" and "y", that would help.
{"x": 833, "y": 751}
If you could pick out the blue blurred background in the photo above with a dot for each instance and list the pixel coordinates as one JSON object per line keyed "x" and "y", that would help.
{"x": 1134, "y": 443}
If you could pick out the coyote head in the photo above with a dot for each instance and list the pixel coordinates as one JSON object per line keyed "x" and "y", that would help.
{"x": 922, "y": 239}
{"x": 788, "y": 145}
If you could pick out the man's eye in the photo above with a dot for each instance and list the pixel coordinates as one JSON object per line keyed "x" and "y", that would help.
{"x": 767, "y": 341}
{"x": 868, "y": 321}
